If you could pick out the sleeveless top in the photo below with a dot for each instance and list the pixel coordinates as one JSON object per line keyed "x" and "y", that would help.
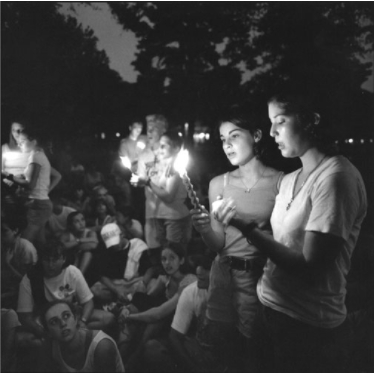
{"x": 254, "y": 206}
{"x": 89, "y": 365}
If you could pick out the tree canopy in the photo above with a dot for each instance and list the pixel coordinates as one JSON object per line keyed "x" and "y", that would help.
{"x": 191, "y": 53}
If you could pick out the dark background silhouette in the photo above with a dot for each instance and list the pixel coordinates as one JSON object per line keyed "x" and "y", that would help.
{"x": 53, "y": 75}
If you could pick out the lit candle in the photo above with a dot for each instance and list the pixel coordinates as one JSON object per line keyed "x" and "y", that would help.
{"x": 141, "y": 145}
{"x": 180, "y": 165}
{"x": 126, "y": 162}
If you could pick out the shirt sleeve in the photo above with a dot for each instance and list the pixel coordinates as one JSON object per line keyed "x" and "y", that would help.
{"x": 141, "y": 171}
{"x": 184, "y": 311}
{"x": 25, "y": 297}
{"x": 335, "y": 203}
{"x": 82, "y": 289}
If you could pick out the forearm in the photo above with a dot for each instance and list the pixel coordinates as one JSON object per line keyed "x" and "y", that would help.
{"x": 55, "y": 179}
{"x": 163, "y": 194}
{"x": 87, "y": 309}
{"x": 213, "y": 240}
{"x": 109, "y": 284}
{"x": 87, "y": 246}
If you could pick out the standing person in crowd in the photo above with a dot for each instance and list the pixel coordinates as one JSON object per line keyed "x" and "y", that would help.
{"x": 316, "y": 222}
{"x": 133, "y": 145}
{"x": 13, "y": 159}
{"x": 252, "y": 187}
{"x": 38, "y": 179}
{"x": 93, "y": 177}
{"x": 52, "y": 279}
{"x": 156, "y": 126}
{"x": 171, "y": 220}
{"x": 73, "y": 348}
{"x": 79, "y": 241}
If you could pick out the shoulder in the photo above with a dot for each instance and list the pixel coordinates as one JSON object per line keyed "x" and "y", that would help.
{"x": 217, "y": 182}
{"x": 105, "y": 351}
{"x": 188, "y": 279}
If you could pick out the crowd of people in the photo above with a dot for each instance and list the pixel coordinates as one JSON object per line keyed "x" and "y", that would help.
{"x": 99, "y": 272}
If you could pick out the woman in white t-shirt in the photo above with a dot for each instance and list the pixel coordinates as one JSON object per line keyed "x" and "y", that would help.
{"x": 38, "y": 179}
{"x": 315, "y": 222}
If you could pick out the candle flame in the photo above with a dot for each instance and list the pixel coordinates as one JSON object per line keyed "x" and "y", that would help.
{"x": 126, "y": 162}
{"x": 181, "y": 161}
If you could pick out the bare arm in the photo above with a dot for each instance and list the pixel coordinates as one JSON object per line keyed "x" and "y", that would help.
{"x": 211, "y": 230}
{"x": 105, "y": 356}
{"x": 156, "y": 313}
{"x": 55, "y": 178}
{"x": 87, "y": 309}
{"x": 167, "y": 194}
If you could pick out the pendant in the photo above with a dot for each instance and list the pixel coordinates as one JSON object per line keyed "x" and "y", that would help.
{"x": 247, "y": 190}
{"x": 289, "y": 204}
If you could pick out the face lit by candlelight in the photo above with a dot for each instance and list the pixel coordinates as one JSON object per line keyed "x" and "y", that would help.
{"x": 166, "y": 148}
{"x": 238, "y": 143}
{"x": 135, "y": 130}
{"x": 16, "y": 130}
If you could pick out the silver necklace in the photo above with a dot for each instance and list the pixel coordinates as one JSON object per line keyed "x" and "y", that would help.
{"x": 247, "y": 189}
{"x": 294, "y": 195}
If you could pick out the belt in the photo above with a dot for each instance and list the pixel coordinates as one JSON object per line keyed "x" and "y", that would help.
{"x": 245, "y": 264}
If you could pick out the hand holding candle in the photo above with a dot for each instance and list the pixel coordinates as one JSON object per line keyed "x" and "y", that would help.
{"x": 180, "y": 165}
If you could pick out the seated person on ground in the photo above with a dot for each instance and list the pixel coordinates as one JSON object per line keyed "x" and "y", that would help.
{"x": 79, "y": 241}
{"x": 101, "y": 216}
{"x": 18, "y": 256}
{"x": 76, "y": 197}
{"x": 119, "y": 266}
{"x": 181, "y": 351}
{"x": 73, "y": 348}
{"x": 52, "y": 279}
{"x": 57, "y": 222}
{"x": 133, "y": 228}
{"x": 150, "y": 313}
{"x": 99, "y": 193}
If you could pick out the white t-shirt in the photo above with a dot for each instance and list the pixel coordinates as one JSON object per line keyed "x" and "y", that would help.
{"x": 333, "y": 201}
{"x": 42, "y": 184}
{"x": 57, "y": 223}
{"x": 192, "y": 303}
{"x": 69, "y": 285}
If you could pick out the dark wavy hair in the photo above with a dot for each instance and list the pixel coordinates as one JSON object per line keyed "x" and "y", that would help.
{"x": 71, "y": 216}
{"x": 44, "y": 309}
{"x": 179, "y": 250}
{"x": 253, "y": 122}
{"x": 306, "y": 106}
